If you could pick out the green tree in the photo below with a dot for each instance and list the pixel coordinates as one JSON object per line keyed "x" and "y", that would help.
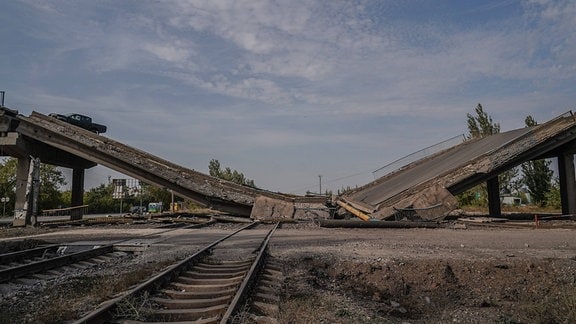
{"x": 529, "y": 121}
{"x": 510, "y": 181}
{"x": 537, "y": 174}
{"x": 51, "y": 180}
{"x": 228, "y": 174}
{"x": 8, "y": 183}
{"x": 99, "y": 199}
{"x": 481, "y": 124}
{"x": 155, "y": 194}
{"x": 553, "y": 198}
{"x": 538, "y": 179}
{"x": 214, "y": 168}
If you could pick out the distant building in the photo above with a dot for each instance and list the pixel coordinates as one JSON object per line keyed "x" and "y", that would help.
{"x": 511, "y": 201}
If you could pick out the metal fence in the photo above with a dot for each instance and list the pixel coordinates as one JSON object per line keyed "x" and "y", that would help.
{"x": 77, "y": 210}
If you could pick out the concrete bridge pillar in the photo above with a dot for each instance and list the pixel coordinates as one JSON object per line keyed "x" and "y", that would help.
{"x": 77, "y": 193}
{"x": 493, "y": 187}
{"x": 22, "y": 169}
{"x": 27, "y": 190}
{"x": 567, "y": 183}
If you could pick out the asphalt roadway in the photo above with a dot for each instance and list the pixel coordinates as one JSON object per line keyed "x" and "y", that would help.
{"x": 432, "y": 167}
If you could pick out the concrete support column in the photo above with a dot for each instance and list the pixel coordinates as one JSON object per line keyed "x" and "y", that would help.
{"x": 21, "y": 215}
{"x": 567, "y": 183}
{"x": 493, "y": 187}
{"x": 77, "y": 192}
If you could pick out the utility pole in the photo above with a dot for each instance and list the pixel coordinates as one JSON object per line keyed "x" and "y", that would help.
{"x": 320, "y": 178}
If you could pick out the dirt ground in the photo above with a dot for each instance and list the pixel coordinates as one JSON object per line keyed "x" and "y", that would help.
{"x": 457, "y": 274}
{"x": 447, "y": 275}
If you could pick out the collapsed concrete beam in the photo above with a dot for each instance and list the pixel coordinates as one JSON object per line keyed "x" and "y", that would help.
{"x": 266, "y": 208}
{"x": 354, "y": 211}
{"x": 200, "y": 188}
{"x": 432, "y": 203}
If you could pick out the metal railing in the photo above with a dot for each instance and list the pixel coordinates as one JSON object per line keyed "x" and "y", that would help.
{"x": 76, "y": 210}
{"x": 393, "y": 166}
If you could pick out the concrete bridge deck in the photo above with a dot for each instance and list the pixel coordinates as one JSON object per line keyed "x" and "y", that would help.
{"x": 434, "y": 180}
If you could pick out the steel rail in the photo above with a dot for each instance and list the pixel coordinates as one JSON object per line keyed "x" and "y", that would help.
{"x": 35, "y": 267}
{"x": 105, "y": 314}
{"x": 7, "y": 258}
{"x": 39, "y": 266}
{"x": 248, "y": 282}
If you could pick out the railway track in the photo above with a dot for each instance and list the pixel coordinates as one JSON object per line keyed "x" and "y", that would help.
{"x": 37, "y": 260}
{"x": 211, "y": 286}
{"x": 41, "y": 259}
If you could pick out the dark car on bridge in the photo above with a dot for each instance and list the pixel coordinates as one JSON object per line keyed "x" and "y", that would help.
{"x": 80, "y": 121}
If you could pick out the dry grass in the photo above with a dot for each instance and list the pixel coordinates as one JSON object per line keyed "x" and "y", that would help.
{"x": 327, "y": 307}
{"x": 554, "y": 309}
{"x": 135, "y": 308}
{"x": 528, "y": 209}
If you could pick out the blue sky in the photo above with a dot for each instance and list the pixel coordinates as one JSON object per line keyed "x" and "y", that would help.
{"x": 284, "y": 91}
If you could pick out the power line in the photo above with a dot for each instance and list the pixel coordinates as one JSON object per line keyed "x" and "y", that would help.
{"x": 330, "y": 180}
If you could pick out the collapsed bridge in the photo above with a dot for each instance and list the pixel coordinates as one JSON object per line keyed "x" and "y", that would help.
{"x": 428, "y": 186}
{"x": 55, "y": 142}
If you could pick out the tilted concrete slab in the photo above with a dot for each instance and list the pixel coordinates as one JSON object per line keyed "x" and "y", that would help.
{"x": 196, "y": 186}
{"x": 304, "y": 208}
{"x": 433, "y": 181}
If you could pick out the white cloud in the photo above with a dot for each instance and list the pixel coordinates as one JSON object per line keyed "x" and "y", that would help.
{"x": 168, "y": 52}
{"x": 234, "y": 63}
{"x": 292, "y": 51}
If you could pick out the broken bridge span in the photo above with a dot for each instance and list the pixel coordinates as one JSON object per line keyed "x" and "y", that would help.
{"x": 428, "y": 184}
